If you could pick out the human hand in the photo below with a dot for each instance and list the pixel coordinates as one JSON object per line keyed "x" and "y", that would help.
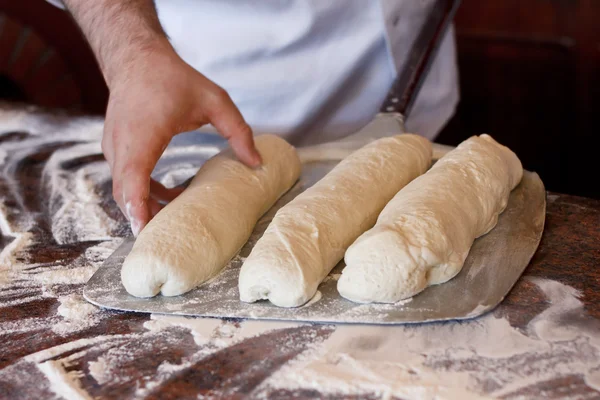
{"x": 155, "y": 97}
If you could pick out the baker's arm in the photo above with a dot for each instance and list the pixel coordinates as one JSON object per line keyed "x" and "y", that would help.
{"x": 154, "y": 95}
{"x": 120, "y": 32}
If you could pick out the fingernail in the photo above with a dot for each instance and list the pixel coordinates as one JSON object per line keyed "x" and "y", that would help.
{"x": 135, "y": 228}
{"x": 128, "y": 213}
{"x": 134, "y": 223}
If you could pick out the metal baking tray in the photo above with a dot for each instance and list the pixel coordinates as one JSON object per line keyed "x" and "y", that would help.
{"x": 493, "y": 266}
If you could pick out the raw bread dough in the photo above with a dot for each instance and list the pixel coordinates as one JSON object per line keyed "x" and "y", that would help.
{"x": 194, "y": 236}
{"x": 309, "y": 235}
{"x": 423, "y": 236}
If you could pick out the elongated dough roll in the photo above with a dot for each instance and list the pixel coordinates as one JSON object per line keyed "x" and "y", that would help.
{"x": 309, "y": 235}
{"x": 423, "y": 236}
{"x": 195, "y": 235}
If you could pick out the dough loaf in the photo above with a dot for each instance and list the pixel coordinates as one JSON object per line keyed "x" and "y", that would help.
{"x": 424, "y": 234}
{"x": 194, "y": 236}
{"x": 309, "y": 235}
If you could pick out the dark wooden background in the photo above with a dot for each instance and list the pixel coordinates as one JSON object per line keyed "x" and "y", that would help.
{"x": 530, "y": 75}
{"x": 529, "y": 70}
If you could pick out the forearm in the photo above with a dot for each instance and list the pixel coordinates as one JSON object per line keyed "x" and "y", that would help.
{"x": 119, "y": 32}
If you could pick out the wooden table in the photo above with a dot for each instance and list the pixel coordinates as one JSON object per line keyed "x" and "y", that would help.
{"x": 41, "y": 346}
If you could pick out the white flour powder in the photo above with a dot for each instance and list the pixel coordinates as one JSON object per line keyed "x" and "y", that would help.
{"x": 481, "y": 358}
{"x": 64, "y": 384}
{"x": 77, "y": 314}
{"x": 73, "y": 200}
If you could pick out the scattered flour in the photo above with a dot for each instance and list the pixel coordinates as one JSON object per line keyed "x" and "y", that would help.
{"x": 56, "y": 351}
{"x": 73, "y": 199}
{"x": 99, "y": 370}
{"x": 209, "y": 334}
{"x": 8, "y": 263}
{"x": 62, "y": 383}
{"x": 96, "y": 255}
{"x": 374, "y": 310}
{"x": 61, "y": 275}
{"x": 77, "y": 314}
{"x": 14, "y": 120}
{"x": 475, "y": 359}
{"x": 565, "y": 320}
{"x": 592, "y": 379}
{"x": 219, "y": 333}
{"x": 483, "y": 358}
{"x": 201, "y": 328}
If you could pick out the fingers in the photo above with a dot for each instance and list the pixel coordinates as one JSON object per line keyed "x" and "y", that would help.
{"x": 134, "y": 139}
{"x": 228, "y": 121}
{"x": 242, "y": 144}
{"x": 135, "y": 156}
{"x": 159, "y": 195}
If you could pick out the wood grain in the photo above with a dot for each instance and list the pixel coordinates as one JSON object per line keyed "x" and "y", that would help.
{"x": 569, "y": 253}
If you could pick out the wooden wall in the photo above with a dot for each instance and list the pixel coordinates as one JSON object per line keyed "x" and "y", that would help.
{"x": 530, "y": 76}
{"x": 45, "y": 60}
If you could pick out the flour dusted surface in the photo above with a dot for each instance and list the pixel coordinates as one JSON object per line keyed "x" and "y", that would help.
{"x": 95, "y": 354}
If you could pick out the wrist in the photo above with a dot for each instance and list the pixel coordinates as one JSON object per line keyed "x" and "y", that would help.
{"x": 131, "y": 61}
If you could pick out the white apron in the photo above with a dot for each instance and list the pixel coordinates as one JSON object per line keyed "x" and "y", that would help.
{"x": 311, "y": 70}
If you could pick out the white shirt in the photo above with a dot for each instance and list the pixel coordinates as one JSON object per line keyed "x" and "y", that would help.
{"x": 311, "y": 70}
